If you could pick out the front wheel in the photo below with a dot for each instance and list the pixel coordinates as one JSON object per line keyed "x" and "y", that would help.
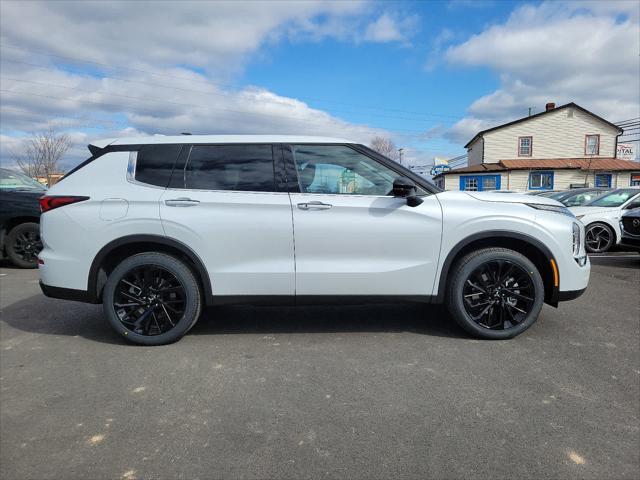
{"x": 495, "y": 293}
{"x": 152, "y": 299}
{"x": 24, "y": 245}
{"x": 598, "y": 238}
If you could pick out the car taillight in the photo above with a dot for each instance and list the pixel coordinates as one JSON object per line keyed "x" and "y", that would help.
{"x": 54, "y": 201}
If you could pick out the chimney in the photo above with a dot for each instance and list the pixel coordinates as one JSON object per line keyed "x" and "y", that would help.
{"x": 550, "y": 106}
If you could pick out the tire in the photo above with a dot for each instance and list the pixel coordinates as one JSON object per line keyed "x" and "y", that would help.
{"x": 599, "y": 237}
{"x": 152, "y": 299}
{"x": 510, "y": 306}
{"x": 23, "y": 245}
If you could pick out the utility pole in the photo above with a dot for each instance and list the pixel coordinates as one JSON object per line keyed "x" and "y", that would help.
{"x": 400, "y": 154}
{"x": 530, "y": 108}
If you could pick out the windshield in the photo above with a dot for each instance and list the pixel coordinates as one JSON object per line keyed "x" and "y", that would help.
{"x": 613, "y": 199}
{"x": 557, "y": 195}
{"x": 16, "y": 181}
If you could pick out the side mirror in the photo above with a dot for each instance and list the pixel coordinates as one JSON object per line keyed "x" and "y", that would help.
{"x": 404, "y": 187}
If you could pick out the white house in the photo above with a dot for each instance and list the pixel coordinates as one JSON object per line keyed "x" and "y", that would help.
{"x": 552, "y": 150}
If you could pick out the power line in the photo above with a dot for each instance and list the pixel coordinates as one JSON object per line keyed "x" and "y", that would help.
{"x": 417, "y": 133}
{"x": 210, "y": 82}
{"x": 628, "y": 120}
{"x": 225, "y": 95}
{"x": 75, "y": 118}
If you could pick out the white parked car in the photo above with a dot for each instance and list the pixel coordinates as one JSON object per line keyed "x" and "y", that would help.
{"x": 601, "y": 217}
{"x": 156, "y": 228}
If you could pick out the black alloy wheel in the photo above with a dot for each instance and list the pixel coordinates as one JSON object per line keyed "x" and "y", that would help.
{"x": 498, "y": 294}
{"x": 599, "y": 238}
{"x": 495, "y": 293}
{"x": 152, "y": 298}
{"x": 24, "y": 245}
{"x": 149, "y": 300}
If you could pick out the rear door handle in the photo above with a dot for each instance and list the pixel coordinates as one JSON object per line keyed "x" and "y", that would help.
{"x": 181, "y": 202}
{"x": 314, "y": 206}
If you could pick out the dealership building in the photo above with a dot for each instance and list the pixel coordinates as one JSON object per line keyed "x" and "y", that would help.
{"x": 560, "y": 148}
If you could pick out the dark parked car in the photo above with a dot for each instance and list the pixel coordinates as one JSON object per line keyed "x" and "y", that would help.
{"x": 578, "y": 196}
{"x": 543, "y": 193}
{"x": 20, "y": 218}
{"x": 630, "y": 228}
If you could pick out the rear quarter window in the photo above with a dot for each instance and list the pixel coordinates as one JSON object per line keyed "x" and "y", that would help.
{"x": 155, "y": 163}
{"x": 247, "y": 168}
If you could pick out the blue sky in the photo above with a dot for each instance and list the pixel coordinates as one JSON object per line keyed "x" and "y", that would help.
{"x": 428, "y": 75}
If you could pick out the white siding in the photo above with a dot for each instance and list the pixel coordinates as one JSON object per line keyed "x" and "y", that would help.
{"x": 474, "y": 152}
{"x": 559, "y": 134}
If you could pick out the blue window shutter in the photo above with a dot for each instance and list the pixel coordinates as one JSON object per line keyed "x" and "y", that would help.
{"x": 498, "y": 179}
{"x": 462, "y": 178}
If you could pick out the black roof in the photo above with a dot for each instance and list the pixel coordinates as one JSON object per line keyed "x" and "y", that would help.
{"x": 520, "y": 120}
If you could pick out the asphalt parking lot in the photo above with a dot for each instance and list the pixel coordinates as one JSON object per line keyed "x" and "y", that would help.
{"x": 318, "y": 392}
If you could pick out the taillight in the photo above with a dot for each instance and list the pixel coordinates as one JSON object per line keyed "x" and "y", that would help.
{"x": 50, "y": 202}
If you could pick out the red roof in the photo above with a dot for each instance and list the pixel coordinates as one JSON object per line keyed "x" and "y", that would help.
{"x": 578, "y": 163}
{"x": 607, "y": 164}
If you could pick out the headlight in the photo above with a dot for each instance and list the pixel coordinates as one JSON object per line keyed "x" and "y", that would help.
{"x": 576, "y": 239}
{"x": 551, "y": 208}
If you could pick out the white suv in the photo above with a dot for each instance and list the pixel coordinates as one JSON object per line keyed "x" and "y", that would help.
{"x": 156, "y": 228}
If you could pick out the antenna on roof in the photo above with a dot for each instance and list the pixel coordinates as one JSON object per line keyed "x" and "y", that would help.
{"x": 185, "y": 133}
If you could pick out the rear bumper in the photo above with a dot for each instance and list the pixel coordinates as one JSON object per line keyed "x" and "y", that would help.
{"x": 67, "y": 293}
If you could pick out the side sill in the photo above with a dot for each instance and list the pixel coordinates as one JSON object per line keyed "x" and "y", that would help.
{"x": 570, "y": 295}
{"x": 292, "y": 300}
{"x": 67, "y": 294}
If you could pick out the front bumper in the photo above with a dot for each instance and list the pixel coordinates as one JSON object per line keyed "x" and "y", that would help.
{"x": 570, "y": 295}
{"x": 630, "y": 241}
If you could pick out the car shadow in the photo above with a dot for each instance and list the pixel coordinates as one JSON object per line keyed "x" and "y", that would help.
{"x": 42, "y": 315}
{"x": 627, "y": 260}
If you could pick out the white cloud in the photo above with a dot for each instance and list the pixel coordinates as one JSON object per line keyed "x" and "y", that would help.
{"x": 178, "y": 59}
{"x": 389, "y": 29}
{"x": 586, "y": 52}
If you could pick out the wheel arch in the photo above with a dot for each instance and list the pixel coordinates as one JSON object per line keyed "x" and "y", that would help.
{"x": 13, "y": 222}
{"x": 117, "y": 250}
{"x": 522, "y": 243}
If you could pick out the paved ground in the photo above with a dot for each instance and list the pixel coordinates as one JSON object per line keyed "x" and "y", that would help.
{"x": 358, "y": 392}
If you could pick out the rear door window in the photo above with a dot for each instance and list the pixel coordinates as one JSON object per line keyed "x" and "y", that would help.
{"x": 245, "y": 168}
{"x": 154, "y": 164}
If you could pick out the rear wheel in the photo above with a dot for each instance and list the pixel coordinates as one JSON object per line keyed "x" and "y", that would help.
{"x": 152, "y": 299}
{"x": 599, "y": 238}
{"x": 495, "y": 293}
{"x": 24, "y": 245}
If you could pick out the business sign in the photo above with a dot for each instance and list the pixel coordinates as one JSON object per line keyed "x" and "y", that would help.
{"x": 438, "y": 169}
{"x": 626, "y": 151}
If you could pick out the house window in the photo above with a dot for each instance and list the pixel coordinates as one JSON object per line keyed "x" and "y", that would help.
{"x": 479, "y": 183}
{"x": 592, "y": 145}
{"x": 541, "y": 181}
{"x": 525, "y": 146}
{"x": 603, "y": 180}
{"x": 469, "y": 184}
{"x": 634, "y": 180}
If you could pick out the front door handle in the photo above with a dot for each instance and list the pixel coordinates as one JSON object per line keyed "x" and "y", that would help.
{"x": 181, "y": 202}
{"x": 314, "y": 206}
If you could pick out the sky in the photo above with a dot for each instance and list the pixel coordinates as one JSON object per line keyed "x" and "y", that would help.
{"x": 428, "y": 74}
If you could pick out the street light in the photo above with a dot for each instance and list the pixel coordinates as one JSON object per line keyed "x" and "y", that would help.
{"x": 400, "y": 150}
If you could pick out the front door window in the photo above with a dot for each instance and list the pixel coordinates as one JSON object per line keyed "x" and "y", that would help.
{"x": 341, "y": 170}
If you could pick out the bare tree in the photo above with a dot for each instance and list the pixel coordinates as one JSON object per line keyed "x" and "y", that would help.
{"x": 41, "y": 155}
{"x": 385, "y": 146}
